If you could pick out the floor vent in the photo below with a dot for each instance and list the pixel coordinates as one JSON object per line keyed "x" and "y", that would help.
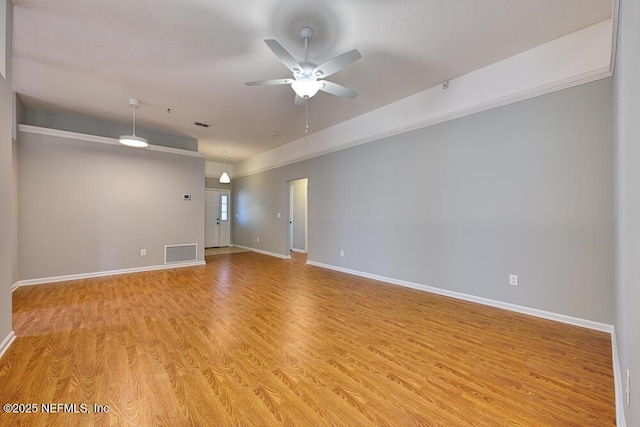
{"x": 180, "y": 253}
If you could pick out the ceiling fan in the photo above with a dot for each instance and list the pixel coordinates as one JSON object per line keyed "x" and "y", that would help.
{"x": 307, "y": 76}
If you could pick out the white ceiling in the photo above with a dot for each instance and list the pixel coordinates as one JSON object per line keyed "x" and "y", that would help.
{"x": 88, "y": 57}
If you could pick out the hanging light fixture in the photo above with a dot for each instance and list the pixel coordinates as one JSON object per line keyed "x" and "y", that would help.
{"x": 224, "y": 178}
{"x": 133, "y": 140}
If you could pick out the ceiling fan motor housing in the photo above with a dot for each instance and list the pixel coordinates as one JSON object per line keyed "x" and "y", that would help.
{"x": 306, "y": 71}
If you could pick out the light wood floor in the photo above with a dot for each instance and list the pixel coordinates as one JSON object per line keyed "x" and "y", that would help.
{"x": 254, "y": 340}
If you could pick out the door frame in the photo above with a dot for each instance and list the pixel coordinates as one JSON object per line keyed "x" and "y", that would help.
{"x": 291, "y": 205}
{"x": 220, "y": 192}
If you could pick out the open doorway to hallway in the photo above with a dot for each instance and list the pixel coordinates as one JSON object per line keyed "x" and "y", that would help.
{"x": 298, "y": 217}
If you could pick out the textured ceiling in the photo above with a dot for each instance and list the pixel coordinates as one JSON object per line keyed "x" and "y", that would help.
{"x": 192, "y": 56}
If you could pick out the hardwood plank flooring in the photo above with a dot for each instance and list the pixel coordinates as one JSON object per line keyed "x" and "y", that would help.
{"x": 254, "y": 340}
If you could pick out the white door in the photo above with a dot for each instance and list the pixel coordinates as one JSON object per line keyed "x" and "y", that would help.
{"x": 212, "y": 219}
{"x": 217, "y": 225}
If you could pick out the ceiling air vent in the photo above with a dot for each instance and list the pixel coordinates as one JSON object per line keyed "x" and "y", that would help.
{"x": 180, "y": 253}
{"x": 204, "y": 125}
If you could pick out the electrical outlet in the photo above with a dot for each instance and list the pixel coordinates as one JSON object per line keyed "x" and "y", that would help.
{"x": 279, "y": 215}
{"x": 627, "y": 388}
{"x": 257, "y": 240}
{"x": 143, "y": 252}
{"x": 341, "y": 252}
{"x": 513, "y": 279}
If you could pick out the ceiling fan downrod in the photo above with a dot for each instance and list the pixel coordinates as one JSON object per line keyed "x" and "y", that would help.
{"x": 306, "y": 33}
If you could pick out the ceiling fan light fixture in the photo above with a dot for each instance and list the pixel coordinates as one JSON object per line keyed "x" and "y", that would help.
{"x": 306, "y": 87}
{"x": 133, "y": 140}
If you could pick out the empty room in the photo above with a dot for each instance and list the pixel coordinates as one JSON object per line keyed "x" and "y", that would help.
{"x": 292, "y": 212}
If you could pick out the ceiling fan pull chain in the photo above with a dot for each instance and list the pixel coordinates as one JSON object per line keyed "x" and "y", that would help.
{"x": 306, "y": 116}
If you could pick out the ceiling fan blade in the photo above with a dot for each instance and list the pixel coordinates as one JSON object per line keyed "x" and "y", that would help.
{"x": 284, "y": 56}
{"x": 338, "y": 90}
{"x": 270, "y": 82}
{"x": 299, "y": 102}
{"x": 336, "y": 64}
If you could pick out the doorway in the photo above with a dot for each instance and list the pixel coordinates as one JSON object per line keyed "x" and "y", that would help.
{"x": 217, "y": 227}
{"x": 298, "y": 216}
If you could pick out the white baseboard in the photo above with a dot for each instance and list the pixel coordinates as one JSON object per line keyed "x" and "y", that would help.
{"x": 603, "y": 327}
{"x": 4, "y": 346}
{"x": 46, "y": 280}
{"x": 260, "y": 251}
{"x": 618, "y": 381}
{"x": 300, "y": 251}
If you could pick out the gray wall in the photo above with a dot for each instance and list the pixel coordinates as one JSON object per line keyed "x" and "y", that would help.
{"x": 6, "y": 187}
{"x": 299, "y": 213}
{"x": 627, "y": 92}
{"x": 258, "y": 199}
{"x": 524, "y": 189}
{"x": 215, "y": 184}
{"x": 81, "y": 124}
{"x": 89, "y": 207}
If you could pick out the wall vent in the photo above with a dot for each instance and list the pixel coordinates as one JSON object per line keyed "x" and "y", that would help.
{"x": 180, "y": 253}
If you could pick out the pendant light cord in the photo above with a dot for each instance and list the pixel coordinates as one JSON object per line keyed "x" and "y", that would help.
{"x": 134, "y": 120}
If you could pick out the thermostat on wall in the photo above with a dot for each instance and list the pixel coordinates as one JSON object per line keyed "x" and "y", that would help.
{"x": 186, "y": 197}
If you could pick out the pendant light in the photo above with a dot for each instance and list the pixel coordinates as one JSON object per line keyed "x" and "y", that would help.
{"x": 224, "y": 178}
{"x": 133, "y": 140}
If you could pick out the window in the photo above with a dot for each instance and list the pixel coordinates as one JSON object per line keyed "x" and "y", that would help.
{"x": 224, "y": 207}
